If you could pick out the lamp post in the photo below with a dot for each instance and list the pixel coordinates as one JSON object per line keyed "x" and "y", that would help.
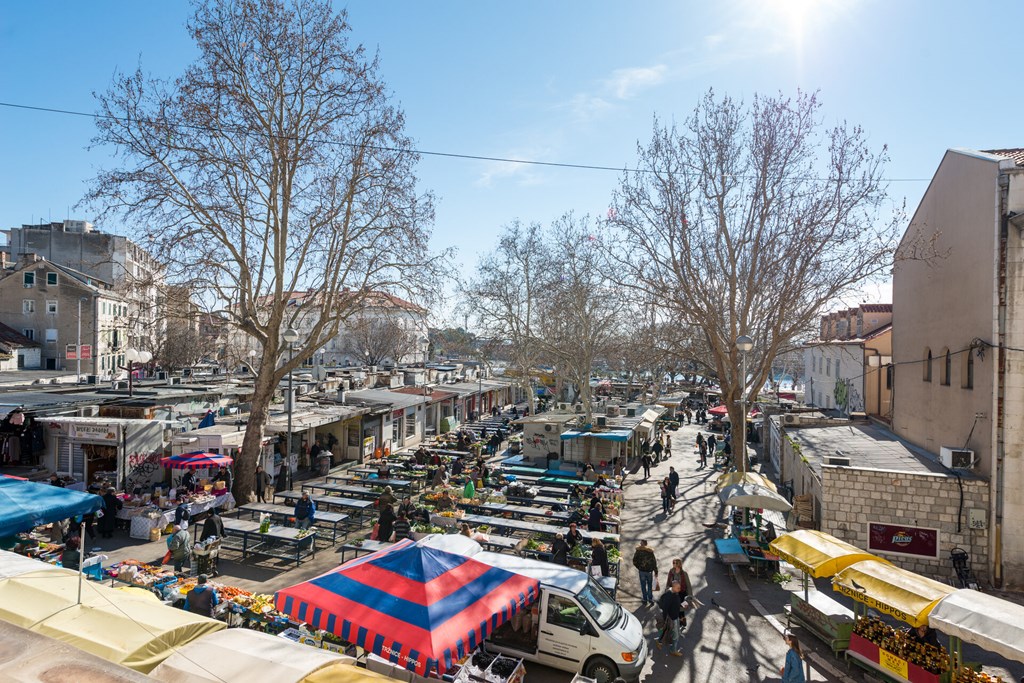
{"x": 252, "y": 361}
{"x": 134, "y": 356}
{"x": 78, "y": 347}
{"x": 744, "y": 344}
{"x": 290, "y": 336}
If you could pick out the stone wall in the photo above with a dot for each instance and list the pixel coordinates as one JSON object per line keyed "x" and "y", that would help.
{"x": 853, "y": 497}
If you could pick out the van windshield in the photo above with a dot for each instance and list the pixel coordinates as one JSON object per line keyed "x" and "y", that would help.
{"x": 599, "y": 605}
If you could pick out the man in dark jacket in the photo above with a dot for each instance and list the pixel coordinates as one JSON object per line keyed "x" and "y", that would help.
{"x": 202, "y": 599}
{"x": 213, "y": 526}
{"x": 673, "y": 482}
{"x": 647, "y": 566}
{"x": 560, "y": 550}
{"x": 671, "y": 604}
{"x": 111, "y": 504}
{"x": 305, "y": 511}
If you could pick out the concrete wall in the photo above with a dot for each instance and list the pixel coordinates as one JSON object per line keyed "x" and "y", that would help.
{"x": 824, "y": 365}
{"x": 946, "y": 303}
{"x": 877, "y": 386}
{"x": 850, "y": 498}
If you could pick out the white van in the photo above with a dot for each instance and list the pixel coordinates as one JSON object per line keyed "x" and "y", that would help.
{"x": 574, "y": 625}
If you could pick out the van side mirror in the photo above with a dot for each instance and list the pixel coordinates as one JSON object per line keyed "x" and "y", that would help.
{"x": 585, "y": 628}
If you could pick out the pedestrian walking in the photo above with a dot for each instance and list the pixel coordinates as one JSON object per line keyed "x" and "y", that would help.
{"x": 712, "y": 447}
{"x": 678, "y": 575}
{"x": 647, "y": 567}
{"x": 671, "y": 604}
{"x": 646, "y": 462}
{"x": 657, "y": 448}
{"x": 793, "y": 670}
{"x": 180, "y": 547}
{"x": 666, "y": 496}
{"x": 263, "y": 482}
{"x": 668, "y": 446}
{"x": 673, "y": 483}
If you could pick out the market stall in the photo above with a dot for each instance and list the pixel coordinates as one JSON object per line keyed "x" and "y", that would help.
{"x": 990, "y": 622}
{"x": 149, "y": 517}
{"x": 905, "y": 596}
{"x": 136, "y": 632}
{"x": 240, "y": 654}
{"x": 819, "y": 555}
{"x": 26, "y": 504}
{"x": 737, "y": 477}
{"x": 436, "y": 608}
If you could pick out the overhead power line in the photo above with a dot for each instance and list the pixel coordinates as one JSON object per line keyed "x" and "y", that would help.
{"x": 421, "y": 152}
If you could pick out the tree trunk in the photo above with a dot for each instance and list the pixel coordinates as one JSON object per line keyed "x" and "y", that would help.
{"x": 252, "y": 442}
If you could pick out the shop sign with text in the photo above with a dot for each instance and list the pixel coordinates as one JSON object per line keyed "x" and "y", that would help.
{"x": 903, "y": 540}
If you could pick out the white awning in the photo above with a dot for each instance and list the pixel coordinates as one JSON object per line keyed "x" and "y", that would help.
{"x": 991, "y": 623}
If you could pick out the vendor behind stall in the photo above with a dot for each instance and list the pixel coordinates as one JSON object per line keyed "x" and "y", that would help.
{"x": 923, "y": 634}
{"x": 202, "y": 599}
{"x": 70, "y": 557}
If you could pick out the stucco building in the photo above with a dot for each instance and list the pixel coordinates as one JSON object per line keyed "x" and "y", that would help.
{"x": 958, "y": 345}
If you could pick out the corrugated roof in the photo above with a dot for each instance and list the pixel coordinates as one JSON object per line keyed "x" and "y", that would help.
{"x": 876, "y": 308}
{"x": 1015, "y": 153}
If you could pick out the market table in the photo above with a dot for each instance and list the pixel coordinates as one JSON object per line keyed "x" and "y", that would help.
{"x": 538, "y": 500}
{"x": 525, "y": 470}
{"x": 397, "y": 484}
{"x": 353, "y": 491}
{"x": 549, "y": 530}
{"x": 335, "y": 520}
{"x": 517, "y": 511}
{"x": 142, "y": 520}
{"x": 366, "y": 546}
{"x": 731, "y": 553}
{"x": 359, "y": 506}
{"x": 255, "y": 543}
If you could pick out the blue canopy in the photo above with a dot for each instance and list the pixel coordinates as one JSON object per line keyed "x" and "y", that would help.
{"x": 26, "y": 504}
{"x": 611, "y": 435}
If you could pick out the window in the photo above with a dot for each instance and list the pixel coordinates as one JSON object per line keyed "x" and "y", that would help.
{"x": 967, "y": 369}
{"x": 28, "y": 306}
{"x": 410, "y": 426}
{"x": 927, "y": 376}
{"x": 29, "y": 279}
{"x": 947, "y": 367}
{"x": 31, "y": 334}
{"x": 51, "y": 278}
{"x": 51, "y": 334}
{"x": 828, "y": 367}
{"x": 565, "y": 612}
{"x": 888, "y": 376}
{"x": 51, "y": 306}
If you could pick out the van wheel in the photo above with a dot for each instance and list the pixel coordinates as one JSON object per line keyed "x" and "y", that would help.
{"x": 601, "y": 669}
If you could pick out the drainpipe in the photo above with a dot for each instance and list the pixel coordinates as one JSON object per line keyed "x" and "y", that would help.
{"x": 997, "y": 474}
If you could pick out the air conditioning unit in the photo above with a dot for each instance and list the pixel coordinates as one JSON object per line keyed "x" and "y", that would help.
{"x": 957, "y": 458}
{"x": 630, "y": 412}
{"x": 563, "y": 406}
{"x": 613, "y": 411}
{"x": 790, "y": 419}
{"x": 578, "y": 408}
{"x": 602, "y": 421}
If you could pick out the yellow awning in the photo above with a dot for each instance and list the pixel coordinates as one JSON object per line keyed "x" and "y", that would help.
{"x": 897, "y": 592}
{"x": 346, "y": 673}
{"x": 136, "y": 632}
{"x": 817, "y": 553}
{"x": 730, "y": 478}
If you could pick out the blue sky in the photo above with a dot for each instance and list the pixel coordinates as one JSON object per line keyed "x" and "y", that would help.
{"x": 569, "y": 82}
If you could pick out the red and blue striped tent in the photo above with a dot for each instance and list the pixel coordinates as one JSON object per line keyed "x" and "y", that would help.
{"x": 416, "y": 606}
{"x": 196, "y": 461}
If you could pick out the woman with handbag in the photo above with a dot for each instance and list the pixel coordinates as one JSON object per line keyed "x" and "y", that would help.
{"x": 599, "y": 558}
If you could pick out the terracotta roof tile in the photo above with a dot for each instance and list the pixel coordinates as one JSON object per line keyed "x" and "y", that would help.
{"x": 1015, "y": 153}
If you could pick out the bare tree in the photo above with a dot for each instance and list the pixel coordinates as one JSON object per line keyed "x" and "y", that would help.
{"x": 274, "y": 164}
{"x": 748, "y": 221}
{"x": 378, "y": 336}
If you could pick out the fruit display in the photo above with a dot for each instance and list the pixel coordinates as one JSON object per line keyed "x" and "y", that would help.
{"x": 930, "y": 658}
{"x": 968, "y": 675}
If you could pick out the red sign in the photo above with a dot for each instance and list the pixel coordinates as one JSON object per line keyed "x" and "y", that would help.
{"x": 86, "y": 351}
{"x": 903, "y": 540}
{"x": 73, "y": 352}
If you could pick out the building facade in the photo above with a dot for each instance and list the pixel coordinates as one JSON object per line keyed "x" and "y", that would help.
{"x": 958, "y": 296}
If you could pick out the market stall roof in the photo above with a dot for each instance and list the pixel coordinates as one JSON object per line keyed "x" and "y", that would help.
{"x": 238, "y": 654}
{"x": 196, "y": 461}
{"x": 26, "y": 504}
{"x": 13, "y": 564}
{"x": 730, "y": 478}
{"x": 992, "y": 623}
{"x": 818, "y": 554}
{"x": 423, "y": 606}
{"x": 119, "y": 627}
{"x": 608, "y": 435}
{"x": 28, "y": 657}
{"x": 753, "y": 496}
{"x": 346, "y": 674}
{"x": 894, "y": 591}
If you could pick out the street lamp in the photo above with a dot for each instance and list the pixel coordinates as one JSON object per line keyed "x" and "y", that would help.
{"x": 134, "y": 356}
{"x": 290, "y": 336}
{"x": 78, "y": 347}
{"x": 252, "y": 361}
{"x": 744, "y": 344}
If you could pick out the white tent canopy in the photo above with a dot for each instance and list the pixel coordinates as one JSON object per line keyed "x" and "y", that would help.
{"x": 991, "y": 623}
{"x": 238, "y": 654}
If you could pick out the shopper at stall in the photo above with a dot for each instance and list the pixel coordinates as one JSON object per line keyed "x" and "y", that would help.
{"x": 387, "y": 498}
{"x": 671, "y": 604}
{"x": 202, "y": 599}
{"x": 924, "y": 634}
{"x": 793, "y": 670}
{"x": 263, "y": 482}
{"x": 444, "y": 502}
{"x": 213, "y": 526}
{"x": 440, "y": 477}
{"x": 180, "y": 545}
{"x": 599, "y": 557}
{"x": 403, "y": 529}
{"x": 385, "y": 523}
{"x": 305, "y": 511}
{"x": 560, "y": 550}
{"x": 647, "y": 567}
{"x": 56, "y": 481}
{"x": 406, "y": 508}
{"x": 111, "y": 504}
{"x": 182, "y": 514}
{"x": 595, "y": 518}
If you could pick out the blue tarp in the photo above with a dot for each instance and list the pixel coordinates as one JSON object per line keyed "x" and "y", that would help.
{"x": 26, "y": 504}
{"x": 613, "y": 435}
